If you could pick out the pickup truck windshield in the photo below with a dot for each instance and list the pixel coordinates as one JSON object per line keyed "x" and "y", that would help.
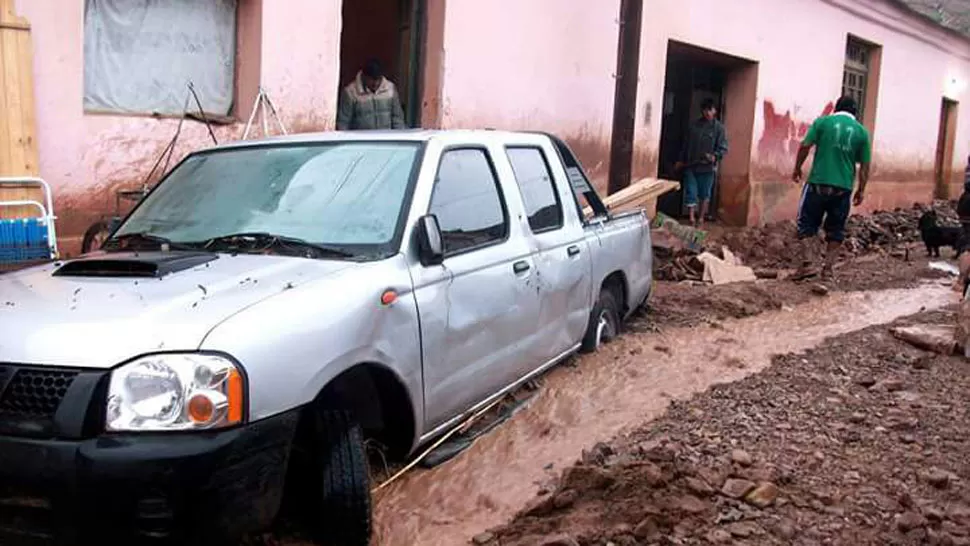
{"x": 341, "y": 194}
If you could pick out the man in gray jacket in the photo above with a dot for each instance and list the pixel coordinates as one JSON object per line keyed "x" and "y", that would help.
{"x": 370, "y": 102}
{"x": 703, "y": 150}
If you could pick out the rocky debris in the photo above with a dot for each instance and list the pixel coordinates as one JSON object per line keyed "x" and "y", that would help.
{"x": 848, "y": 443}
{"x": 938, "y": 338}
{"x": 693, "y": 303}
{"x": 775, "y": 246}
{"x": 938, "y": 478}
{"x": 560, "y": 540}
{"x": 820, "y": 290}
{"x": 741, "y": 457}
{"x": 908, "y": 521}
{"x": 736, "y": 489}
{"x": 763, "y": 273}
{"x": 763, "y": 495}
{"x": 483, "y": 538}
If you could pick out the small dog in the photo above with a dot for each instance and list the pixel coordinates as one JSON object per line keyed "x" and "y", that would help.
{"x": 935, "y": 236}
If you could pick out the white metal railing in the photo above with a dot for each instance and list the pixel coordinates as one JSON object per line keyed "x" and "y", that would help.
{"x": 46, "y": 208}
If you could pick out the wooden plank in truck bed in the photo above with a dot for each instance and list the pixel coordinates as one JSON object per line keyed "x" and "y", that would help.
{"x": 641, "y": 194}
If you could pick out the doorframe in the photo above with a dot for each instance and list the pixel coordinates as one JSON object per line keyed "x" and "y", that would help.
{"x": 731, "y": 201}
{"x": 431, "y": 64}
{"x": 625, "y": 95}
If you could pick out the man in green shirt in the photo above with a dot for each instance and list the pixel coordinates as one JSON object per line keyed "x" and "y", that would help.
{"x": 840, "y": 142}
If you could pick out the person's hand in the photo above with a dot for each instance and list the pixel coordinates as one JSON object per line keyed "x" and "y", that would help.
{"x": 796, "y": 176}
{"x": 859, "y": 198}
{"x": 710, "y": 158}
{"x": 679, "y": 166}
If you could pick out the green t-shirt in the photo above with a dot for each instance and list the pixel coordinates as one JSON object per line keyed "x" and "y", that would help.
{"x": 840, "y": 142}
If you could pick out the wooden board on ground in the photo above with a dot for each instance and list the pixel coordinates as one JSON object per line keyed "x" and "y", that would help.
{"x": 641, "y": 194}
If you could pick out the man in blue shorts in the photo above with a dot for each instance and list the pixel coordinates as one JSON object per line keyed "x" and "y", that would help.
{"x": 840, "y": 142}
{"x": 705, "y": 147}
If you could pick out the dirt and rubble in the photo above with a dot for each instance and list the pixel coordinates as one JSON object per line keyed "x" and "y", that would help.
{"x": 773, "y": 249}
{"x": 860, "y": 441}
{"x": 881, "y": 251}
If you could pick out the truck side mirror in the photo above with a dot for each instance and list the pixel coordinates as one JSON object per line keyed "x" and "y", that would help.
{"x": 431, "y": 250}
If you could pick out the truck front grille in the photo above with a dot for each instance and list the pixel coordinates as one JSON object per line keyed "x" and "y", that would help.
{"x": 32, "y": 392}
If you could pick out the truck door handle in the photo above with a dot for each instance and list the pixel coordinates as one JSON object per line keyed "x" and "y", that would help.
{"x": 573, "y": 250}
{"x": 520, "y": 267}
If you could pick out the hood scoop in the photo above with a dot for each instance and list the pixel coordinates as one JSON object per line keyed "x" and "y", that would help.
{"x": 134, "y": 264}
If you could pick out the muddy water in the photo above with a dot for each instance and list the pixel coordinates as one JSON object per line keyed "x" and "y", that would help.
{"x": 628, "y": 382}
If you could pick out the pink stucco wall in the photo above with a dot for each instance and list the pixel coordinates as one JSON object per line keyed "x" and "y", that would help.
{"x": 800, "y": 49}
{"x": 537, "y": 64}
{"x": 549, "y": 64}
{"x": 86, "y": 157}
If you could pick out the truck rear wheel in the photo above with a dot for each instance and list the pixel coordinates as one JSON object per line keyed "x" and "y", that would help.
{"x": 604, "y": 322}
{"x": 344, "y": 514}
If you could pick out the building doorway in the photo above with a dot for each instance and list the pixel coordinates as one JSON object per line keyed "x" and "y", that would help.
{"x": 943, "y": 173}
{"x": 392, "y": 32}
{"x": 694, "y": 75}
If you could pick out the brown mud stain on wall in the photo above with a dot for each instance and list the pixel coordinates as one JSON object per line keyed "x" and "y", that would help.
{"x": 733, "y": 199}
{"x": 310, "y": 122}
{"x": 777, "y": 200}
{"x": 593, "y": 152}
{"x": 645, "y": 162}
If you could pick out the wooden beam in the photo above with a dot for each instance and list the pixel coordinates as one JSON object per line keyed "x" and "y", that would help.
{"x": 18, "y": 142}
{"x": 641, "y": 194}
{"x": 9, "y": 17}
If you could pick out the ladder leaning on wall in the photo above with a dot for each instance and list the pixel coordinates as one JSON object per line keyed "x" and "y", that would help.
{"x": 264, "y": 106}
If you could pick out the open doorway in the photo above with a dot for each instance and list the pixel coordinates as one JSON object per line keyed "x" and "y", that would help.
{"x": 943, "y": 173}
{"x": 693, "y": 75}
{"x": 390, "y": 31}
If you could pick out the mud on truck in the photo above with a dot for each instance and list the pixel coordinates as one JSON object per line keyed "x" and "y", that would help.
{"x": 270, "y": 304}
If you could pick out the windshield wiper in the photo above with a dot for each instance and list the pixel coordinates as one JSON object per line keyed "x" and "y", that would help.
{"x": 145, "y": 237}
{"x": 261, "y": 241}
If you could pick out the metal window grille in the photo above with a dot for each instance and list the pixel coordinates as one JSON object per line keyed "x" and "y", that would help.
{"x": 855, "y": 75}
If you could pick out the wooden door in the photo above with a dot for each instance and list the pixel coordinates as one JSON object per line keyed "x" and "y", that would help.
{"x": 18, "y": 143}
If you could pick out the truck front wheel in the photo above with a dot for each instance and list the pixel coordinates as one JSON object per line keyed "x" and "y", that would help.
{"x": 344, "y": 514}
{"x": 604, "y": 322}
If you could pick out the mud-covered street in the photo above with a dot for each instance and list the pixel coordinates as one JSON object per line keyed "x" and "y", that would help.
{"x": 792, "y": 376}
{"x": 631, "y": 382}
{"x": 861, "y": 440}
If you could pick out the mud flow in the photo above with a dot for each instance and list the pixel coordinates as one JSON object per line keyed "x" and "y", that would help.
{"x": 595, "y": 398}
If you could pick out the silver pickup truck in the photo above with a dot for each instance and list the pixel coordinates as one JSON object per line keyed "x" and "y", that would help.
{"x": 272, "y": 304}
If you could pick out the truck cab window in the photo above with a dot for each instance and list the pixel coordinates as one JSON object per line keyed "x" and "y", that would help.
{"x": 539, "y": 195}
{"x": 467, "y": 201}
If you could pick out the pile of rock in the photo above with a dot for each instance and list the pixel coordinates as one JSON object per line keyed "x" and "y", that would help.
{"x": 776, "y": 246}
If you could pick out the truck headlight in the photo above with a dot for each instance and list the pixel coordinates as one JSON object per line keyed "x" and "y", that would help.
{"x": 175, "y": 392}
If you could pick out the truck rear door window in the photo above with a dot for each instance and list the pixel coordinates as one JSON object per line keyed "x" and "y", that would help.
{"x": 542, "y": 205}
{"x": 468, "y": 202}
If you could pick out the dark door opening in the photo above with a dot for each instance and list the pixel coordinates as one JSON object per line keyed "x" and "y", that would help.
{"x": 390, "y": 31}
{"x": 943, "y": 173}
{"x": 694, "y": 75}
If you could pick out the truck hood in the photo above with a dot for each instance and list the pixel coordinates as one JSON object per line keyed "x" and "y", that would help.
{"x": 50, "y": 318}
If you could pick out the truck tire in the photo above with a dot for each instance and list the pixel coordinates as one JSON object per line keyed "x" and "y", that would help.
{"x": 604, "y": 322}
{"x": 345, "y": 504}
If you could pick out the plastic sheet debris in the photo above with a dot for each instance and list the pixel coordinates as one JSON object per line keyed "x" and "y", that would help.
{"x": 945, "y": 267}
